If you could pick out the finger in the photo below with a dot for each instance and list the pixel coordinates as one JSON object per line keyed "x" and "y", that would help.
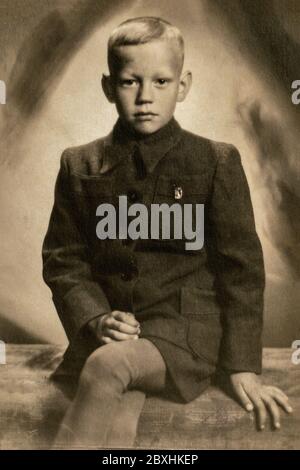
{"x": 106, "y": 339}
{"x": 131, "y": 318}
{"x": 125, "y": 317}
{"x": 259, "y": 408}
{"x": 96, "y": 323}
{"x": 118, "y": 336}
{"x": 243, "y": 397}
{"x": 282, "y": 401}
{"x": 273, "y": 409}
{"x": 276, "y": 392}
{"x": 280, "y": 397}
{"x": 114, "y": 324}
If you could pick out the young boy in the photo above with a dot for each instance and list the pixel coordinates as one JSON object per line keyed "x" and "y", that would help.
{"x": 146, "y": 315}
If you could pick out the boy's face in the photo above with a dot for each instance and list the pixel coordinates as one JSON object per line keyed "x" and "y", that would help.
{"x": 146, "y": 83}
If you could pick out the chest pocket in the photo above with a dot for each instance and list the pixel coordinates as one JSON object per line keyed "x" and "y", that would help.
{"x": 92, "y": 187}
{"x": 87, "y": 193}
{"x": 181, "y": 189}
{"x": 181, "y": 200}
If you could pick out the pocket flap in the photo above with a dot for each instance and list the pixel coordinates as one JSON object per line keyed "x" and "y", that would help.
{"x": 196, "y": 301}
{"x": 190, "y": 185}
{"x": 91, "y": 186}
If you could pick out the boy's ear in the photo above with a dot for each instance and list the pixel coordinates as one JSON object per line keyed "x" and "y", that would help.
{"x": 107, "y": 87}
{"x": 184, "y": 85}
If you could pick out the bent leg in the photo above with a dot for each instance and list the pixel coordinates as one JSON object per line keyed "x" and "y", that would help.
{"x": 95, "y": 416}
{"x": 151, "y": 378}
{"x": 124, "y": 425}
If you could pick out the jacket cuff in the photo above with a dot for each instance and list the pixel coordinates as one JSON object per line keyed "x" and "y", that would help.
{"x": 241, "y": 348}
{"x": 80, "y": 305}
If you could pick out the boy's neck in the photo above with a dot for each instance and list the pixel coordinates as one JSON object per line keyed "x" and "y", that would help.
{"x": 125, "y": 131}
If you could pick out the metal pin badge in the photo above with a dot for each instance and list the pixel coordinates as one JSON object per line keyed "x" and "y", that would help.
{"x": 178, "y": 192}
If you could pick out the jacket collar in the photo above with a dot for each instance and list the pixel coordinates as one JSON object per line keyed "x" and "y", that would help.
{"x": 121, "y": 143}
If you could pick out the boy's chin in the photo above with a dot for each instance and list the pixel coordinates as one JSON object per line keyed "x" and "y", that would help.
{"x": 146, "y": 127}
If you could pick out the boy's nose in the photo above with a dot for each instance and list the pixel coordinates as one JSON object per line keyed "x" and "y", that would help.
{"x": 145, "y": 94}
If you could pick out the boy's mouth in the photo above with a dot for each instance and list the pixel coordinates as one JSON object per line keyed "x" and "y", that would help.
{"x": 144, "y": 116}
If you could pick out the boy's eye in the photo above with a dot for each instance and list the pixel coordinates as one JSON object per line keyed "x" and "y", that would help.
{"x": 161, "y": 81}
{"x": 128, "y": 82}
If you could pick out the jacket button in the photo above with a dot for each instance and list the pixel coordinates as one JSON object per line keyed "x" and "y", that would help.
{"x": 126, "y": 276}
{"x": 133, "y": 196}
{"x": 134, "y": 269}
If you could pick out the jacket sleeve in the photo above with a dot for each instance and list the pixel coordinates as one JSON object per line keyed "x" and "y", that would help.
{"x": 66, "y": 267}
{"x": 239, "y": 265}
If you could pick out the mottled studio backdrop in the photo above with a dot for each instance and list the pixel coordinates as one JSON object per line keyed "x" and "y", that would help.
{"x": 244, "y": 55}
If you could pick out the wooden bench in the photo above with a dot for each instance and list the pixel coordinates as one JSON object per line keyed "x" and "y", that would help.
{"x": 31, "y": 407}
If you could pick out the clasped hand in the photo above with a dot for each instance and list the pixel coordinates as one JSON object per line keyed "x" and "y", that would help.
{"x": 115, "y": 326}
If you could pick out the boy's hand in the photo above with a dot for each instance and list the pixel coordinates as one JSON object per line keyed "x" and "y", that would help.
{"x": 255, "y": 396}
{"x": 115, "y": 326}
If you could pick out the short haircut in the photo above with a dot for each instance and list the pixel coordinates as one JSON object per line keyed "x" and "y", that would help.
{"x": 143, "y": 30}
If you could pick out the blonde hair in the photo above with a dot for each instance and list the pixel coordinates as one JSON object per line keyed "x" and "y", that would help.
{"x": 141, "y": 31}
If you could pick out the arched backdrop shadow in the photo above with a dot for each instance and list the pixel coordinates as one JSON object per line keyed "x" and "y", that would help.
{"x": 244, "y": 56}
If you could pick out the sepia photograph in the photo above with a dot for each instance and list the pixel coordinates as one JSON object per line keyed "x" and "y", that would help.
{"x": 149, "y": 227}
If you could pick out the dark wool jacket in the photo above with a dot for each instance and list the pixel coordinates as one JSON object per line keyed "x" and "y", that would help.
{"x": 202, "y": 309}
